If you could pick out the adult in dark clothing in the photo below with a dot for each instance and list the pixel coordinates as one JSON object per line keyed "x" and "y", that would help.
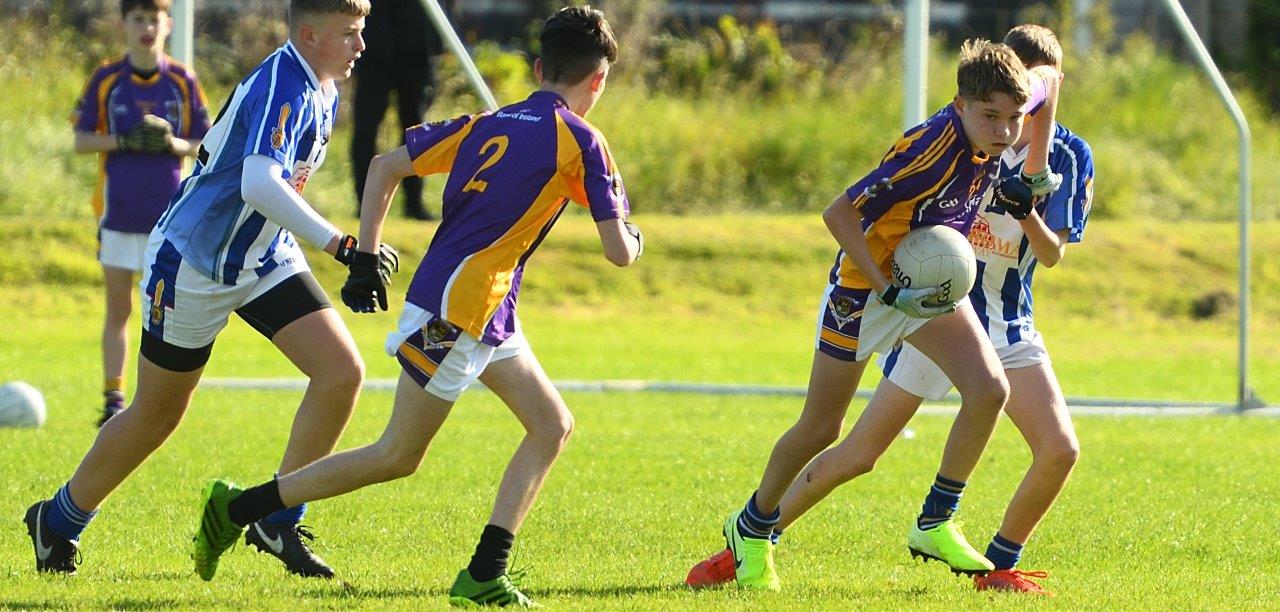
{"x": 401, "y": 41}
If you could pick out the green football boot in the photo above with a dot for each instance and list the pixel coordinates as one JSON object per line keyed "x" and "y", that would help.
{"x": 216, "y": 532}
{"x": 752, "y": 558}
{"x": 466, "y": 592}
{"x": 945, "y": 543}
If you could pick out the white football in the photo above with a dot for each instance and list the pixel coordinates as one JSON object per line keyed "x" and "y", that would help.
{"x": 21, "y": 405}
{"x": 935, "y": 256}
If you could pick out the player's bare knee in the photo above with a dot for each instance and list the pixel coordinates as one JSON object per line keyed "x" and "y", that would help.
{"x": 1060, "y": 453}
{"x": 344, "y": 372}
{"x": 554, "y": 433}
{"x": 397, "y": 460}
{"x": 990, "y": 393}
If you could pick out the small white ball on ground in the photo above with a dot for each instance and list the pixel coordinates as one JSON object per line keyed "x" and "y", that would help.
{"x": 21, "y": 405}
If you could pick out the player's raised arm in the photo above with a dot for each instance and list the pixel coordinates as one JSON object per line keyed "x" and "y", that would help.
{"x": 1043, "y": 120}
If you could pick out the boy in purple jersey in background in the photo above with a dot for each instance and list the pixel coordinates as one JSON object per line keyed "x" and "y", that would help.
{"x": 936, "y": 174}
{"x": 142, "y": 113}
{"x": 511, "y": 175}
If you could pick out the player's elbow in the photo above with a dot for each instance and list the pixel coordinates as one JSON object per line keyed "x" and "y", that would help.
{"x": 1054, "y": 257}
{"x": 619, "y": 257}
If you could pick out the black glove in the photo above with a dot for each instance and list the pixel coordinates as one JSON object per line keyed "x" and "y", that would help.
{"x": 156, "y": 135}
{"x": 367, "y": 280}
{"x": 635, "y": 233}
{"x": 388, "y": 258}
{"x": 1014, "y": 196}
{"x": 132, "y": 141}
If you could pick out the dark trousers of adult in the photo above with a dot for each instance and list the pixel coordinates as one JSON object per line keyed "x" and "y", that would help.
{"x": 413, "y": 83}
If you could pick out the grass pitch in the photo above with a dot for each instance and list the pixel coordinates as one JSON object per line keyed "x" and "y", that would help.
{"x": 1161, "y": 513}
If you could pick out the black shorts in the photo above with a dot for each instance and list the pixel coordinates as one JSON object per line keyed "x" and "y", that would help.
{"x": 295, "y": 297}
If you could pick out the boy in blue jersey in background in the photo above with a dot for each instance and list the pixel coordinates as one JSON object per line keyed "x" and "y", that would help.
{"x": 511, "y": 175}
{"x": 142, "y": 113}
{"x": 1009, "y": 241}
{"x": 936, "y": 174}
{"x": 226, "y": 244}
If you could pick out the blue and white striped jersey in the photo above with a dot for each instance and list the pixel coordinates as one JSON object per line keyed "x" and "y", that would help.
{"x": 280, "y": 110}
{"x": 1001, "y": 295}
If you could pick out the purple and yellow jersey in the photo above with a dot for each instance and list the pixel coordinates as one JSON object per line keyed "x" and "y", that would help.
{"x": 134, "y": 188}
{"x": 930, "y": 177}
{"x": 511, "y": 174}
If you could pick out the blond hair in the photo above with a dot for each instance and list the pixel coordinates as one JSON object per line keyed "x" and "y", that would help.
{"x": 1035, "y": 45}
{"x": 357, "y": 8}
{"x": 988, "y": 68}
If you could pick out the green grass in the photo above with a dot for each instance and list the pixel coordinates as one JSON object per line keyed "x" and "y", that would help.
{"x": 1153, "y": 517}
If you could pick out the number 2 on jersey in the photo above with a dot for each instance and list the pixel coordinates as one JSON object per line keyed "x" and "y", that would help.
{"x": 499, "y": 144}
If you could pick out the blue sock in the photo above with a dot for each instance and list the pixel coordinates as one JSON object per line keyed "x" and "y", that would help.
{"x": 65, "y": 518}
{"x": 1004, "y": 553}
{"x": 941, "y": 503}
{"x": 287, "y": 517}
{"x": 754, "y": 523}
{"x": 775, "y": 536}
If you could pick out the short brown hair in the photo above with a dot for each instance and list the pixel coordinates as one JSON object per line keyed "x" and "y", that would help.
{"x": 1035, "y": 45}
{"x": 159, "y": 6}
{"x": 358, "y": 8}
{"x": 573, "y": 41}
{"x": 987, "y": 68}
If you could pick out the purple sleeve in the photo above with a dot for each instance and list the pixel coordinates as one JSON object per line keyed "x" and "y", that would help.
{"x": 913, "y": 168}
{"x": 85, "y": 118}
{"x": 199, "y": 110}
{"x": 606, "y": 197}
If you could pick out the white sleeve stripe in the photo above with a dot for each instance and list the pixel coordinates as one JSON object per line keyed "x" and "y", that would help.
{"x": 271, "y": 95}
{"x": 1074, "y": 180}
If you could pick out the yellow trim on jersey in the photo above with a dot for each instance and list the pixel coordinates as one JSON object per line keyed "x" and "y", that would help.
{"x": 439, "y": 158}
{"x": 104, "y": 88}
{"x": 886, "y": 232}
{"x": 833, "y": 337}
{"x": 484, "y": 279}
{"x": 926, "y": 160}
{"x": 186, "y": 103}
{"x": 418, "y": 358}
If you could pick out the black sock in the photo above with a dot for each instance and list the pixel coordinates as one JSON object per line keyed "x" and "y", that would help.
{"x": 255, "y": 503}
{"x": 490, "y": 560}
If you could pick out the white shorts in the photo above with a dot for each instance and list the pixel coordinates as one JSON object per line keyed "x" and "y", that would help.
{"x": 192, "y": 308}
{"x": 440, "y": 357}
{"x": 125, "y": 250}
{"x": 918, "y": 375}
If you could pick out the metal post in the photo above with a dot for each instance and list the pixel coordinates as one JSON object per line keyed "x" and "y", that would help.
{"x": 450, "y": 38}
{"x": 1245, "y": 398}
{"x": 915, "y": 54}
{"x": 1084, "y": 27}
{"x": 181, "y": 45}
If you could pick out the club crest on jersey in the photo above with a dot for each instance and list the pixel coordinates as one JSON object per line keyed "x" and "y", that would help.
{"x": 439, "y": 333}
{"x": 157, "y": 304}
{"x": 616, "y": 184}
{"x": 277, "y": 133}
{"x": 843, "y": 310}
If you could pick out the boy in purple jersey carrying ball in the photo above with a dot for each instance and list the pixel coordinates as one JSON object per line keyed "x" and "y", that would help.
{"x": 936, "y": 174}
{"x": 142, "y": 113}
{"x": 1009, "y": 242}
{"x": 511, "y": 175}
